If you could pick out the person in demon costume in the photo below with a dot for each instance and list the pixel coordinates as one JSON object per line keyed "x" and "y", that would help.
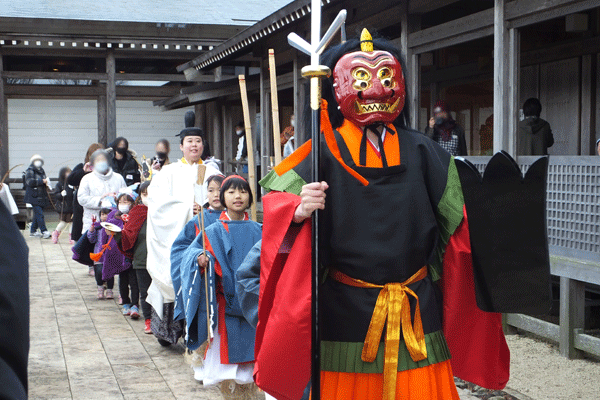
{"x": 395, "y": 246}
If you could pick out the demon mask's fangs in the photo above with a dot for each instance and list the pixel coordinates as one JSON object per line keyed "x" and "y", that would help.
{"x": 376, "y": 107}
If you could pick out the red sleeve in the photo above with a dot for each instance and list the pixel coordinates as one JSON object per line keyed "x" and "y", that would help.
{"x": 129, "y": 234}
{"x": 283, "y": 334}
{"x": 479, "y": 351}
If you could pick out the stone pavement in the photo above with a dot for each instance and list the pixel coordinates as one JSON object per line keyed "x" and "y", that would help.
{"x": 83, "y": 348}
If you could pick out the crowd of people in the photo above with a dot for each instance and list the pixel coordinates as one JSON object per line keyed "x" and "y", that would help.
{"x": 154, "y": 226}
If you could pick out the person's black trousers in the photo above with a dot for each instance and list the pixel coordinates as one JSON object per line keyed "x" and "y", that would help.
{"x": 127, "y": 281}
{"x": 77, "y": 219}
{"x": 144, "y": 280}
{"x": 98, "y": 275}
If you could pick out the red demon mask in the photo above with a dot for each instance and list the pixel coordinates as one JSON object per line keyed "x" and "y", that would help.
{"x": 369, "y": 87}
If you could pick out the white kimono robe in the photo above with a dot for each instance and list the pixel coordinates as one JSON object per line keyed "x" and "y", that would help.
{"x": 171, "y": 197}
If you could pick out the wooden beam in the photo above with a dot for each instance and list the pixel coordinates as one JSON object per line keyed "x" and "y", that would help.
{"x": 514, "y": 85}
{"x": 588, "y": 93}
{"x": 500, "y": 78}
{"x": 425, "y": 6}
{"x": 118, "y": 29}
{"x": 101, "y": 105}
{"x": 89, "y": 91}
{"x": 296, "y": 79}
{"x": 4, "y": 161}
{"x": 572, "y": 315}
{"x": 111, "y": 98}
{"x": 227, "y": 88}
{"x": 95, "y": 76}
{"x": 521, "y": 13}
{"x": 561, "y": 51}
{"x": 471, "y": 27}
{"x": 98, "y": 53}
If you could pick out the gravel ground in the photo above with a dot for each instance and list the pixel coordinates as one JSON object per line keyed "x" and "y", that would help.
{"x": 540, "y": 372}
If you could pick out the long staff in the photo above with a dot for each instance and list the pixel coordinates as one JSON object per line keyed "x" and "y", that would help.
{"x": 275, "y": 107}
{"x": 200, "y": 181}
{"x": 249, "y": 144}
{"x": 315, "y": 72}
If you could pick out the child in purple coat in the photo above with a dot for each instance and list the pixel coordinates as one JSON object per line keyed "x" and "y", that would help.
{"x": 94, "y": 236}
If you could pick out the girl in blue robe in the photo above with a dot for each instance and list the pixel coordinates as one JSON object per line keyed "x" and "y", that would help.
{"x": 230, "y": 352}
{"x": 212, "y": 211}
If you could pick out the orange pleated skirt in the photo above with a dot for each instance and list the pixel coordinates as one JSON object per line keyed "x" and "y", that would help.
{"x": 434, "y": 382}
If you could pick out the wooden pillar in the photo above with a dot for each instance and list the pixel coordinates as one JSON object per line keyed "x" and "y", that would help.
{"x": 215, "y": 131}
{"x": 4, "y": 161}
{"x": 297, "y": 109}
{"x": 501, "y": 62}
{"x": 101, "y": 107}
{"x": 514, "y": 85}
{"x": 229, "y": 143}
{"x": 410, "y": 24}
{"x": 572, "y": 315}
{"x": 226, "y": 129}
{"x": 111, "y": 98}
{"x": 588, "y": 94}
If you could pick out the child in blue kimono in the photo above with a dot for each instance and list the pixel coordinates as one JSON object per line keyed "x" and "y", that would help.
{"x": 212, "y": 211}
{"x": 229, "y": 356}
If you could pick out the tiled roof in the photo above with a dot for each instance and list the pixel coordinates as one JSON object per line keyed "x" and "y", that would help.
{"x": 221, "y": 12}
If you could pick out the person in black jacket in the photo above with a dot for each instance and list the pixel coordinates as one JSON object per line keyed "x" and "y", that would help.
{"x": 444, "y": 130}
{"x": 63, "y": 203}
{"x": 74, "y": 180}
{"x": 14, "y": 309}
{"x": 534, "y": 135}
{"x": 124, "y": 162}
{"x": 35, "y": 194}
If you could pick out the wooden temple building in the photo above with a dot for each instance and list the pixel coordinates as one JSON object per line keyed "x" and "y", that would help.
{"x": 73, "y": 73}
{"x": 484, "y": 58}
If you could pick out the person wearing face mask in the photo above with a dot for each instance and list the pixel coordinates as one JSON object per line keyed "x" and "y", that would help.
{"x": 36, "y": 194}
{"x": 162, "y": 149}
{"x": 444, "y": 130}
{"x": 123, "y": 161}
{"x": 132, "y": 242}
{"x": 101, "y": 183}
{"x": 287, "y": 137}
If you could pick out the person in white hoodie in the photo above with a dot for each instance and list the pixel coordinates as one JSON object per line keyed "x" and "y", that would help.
{"x": 103, "y": 182}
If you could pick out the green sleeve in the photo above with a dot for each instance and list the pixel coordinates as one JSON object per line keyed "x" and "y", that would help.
{"x": 449, "y": 215}
{"x": 290, "y": 182}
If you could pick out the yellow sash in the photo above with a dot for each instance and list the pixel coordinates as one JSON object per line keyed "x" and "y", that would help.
{"x": 392, "y": 304}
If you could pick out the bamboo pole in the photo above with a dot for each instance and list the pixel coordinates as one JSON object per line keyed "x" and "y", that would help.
{"x": 249, "y": 144}
{"x": 275, "y": 107}
{"x": 200, "y": 181}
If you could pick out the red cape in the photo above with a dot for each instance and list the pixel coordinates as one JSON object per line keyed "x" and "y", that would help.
{"x": 475, "y": 338}
{"x": 283, "y": 336}
{"x": 283, "y": 333}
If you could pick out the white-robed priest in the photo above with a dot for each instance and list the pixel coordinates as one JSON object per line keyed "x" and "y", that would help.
{"x": 174, "y": 198}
